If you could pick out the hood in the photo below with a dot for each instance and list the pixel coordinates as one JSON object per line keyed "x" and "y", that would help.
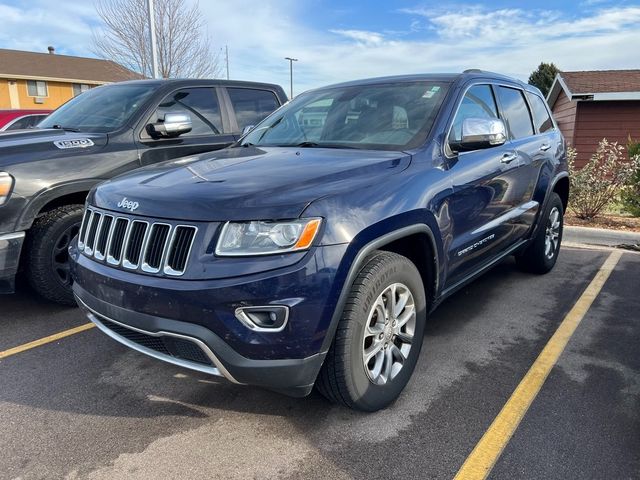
{"x": 23, "y": 146}
{"x": 246, "y": 183}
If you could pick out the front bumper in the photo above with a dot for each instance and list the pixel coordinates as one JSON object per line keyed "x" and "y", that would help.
{"x": 10, "y": 248}
{"x": 195, "y": 347}
{"x": 192, "y": 323}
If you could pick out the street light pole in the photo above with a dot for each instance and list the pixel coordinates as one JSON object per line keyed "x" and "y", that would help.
{"x": 152, "y": 39}
{"x": 291, "y": 60}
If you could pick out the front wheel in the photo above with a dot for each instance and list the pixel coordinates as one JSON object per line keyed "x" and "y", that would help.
{"x": 47, "y": 255}
{"x": 541, "y": 256}
{"x": 379, "y": 337}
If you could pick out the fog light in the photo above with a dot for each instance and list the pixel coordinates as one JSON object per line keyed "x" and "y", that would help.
{"x": 269, "y": 318}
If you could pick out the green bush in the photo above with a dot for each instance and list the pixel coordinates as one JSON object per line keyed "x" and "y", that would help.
{"x": 630, "y": 196}
{"x": 596, "y": 185}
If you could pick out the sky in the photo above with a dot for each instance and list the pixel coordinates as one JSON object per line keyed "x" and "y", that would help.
{"x": 344, "y": 40}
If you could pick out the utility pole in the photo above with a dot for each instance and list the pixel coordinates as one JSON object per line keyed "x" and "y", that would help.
{"x": 226, "y": 56}
{"x": 291, "y": 60}
{"x": 152, "y": 38}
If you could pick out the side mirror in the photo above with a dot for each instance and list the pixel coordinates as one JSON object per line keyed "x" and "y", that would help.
{"x": 247, "y": 129}
{"x": 171, "y": 125}
{"x": 479, "y": 133}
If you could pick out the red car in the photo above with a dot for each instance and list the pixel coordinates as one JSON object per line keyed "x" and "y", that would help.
{"x": 19, "y": 119}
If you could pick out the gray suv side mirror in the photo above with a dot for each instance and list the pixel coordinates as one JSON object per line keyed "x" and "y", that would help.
{"x": 171, "y": 125}
{"x": 478, "y": 133}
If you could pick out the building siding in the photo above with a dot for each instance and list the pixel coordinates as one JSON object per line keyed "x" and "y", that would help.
{"x": 5, "y": 101}
{"x": 615, "y": 121}
{"x": 564, "y": 112}
{"x": 57, "y": 94}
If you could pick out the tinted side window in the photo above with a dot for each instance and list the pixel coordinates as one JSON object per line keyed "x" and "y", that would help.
{"x": 541, "y": 115}
{"x": 24, "y": 122}
{"x": 200, "y": 103}
{"x": 515, "y": 111}
{"x": 478, "y": 102}
{"x": 252, "y": 106}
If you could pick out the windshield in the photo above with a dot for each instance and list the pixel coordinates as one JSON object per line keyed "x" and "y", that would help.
{"x": 378, "y": 117}
{"x": 99, "y": 110}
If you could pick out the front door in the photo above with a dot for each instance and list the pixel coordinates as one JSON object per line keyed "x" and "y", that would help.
{"x": 202, "y": 104}
{"x": 485, "y": 193}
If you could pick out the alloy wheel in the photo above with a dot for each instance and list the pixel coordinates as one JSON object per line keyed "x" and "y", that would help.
{"x": 388, "y": 334}
{"x": 552, "y": 233}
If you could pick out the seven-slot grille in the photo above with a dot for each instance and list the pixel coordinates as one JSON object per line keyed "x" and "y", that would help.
{"x": 153, "y": 247}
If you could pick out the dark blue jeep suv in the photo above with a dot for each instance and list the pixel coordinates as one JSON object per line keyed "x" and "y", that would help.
{"x": 312, "y": 251}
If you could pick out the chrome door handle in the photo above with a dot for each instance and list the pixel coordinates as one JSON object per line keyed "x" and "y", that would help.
{"x": 545, "y": 146}
{"x": 509, "y": 157}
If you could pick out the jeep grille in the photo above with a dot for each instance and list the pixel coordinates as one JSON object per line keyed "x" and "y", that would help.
{"x": 136, "y": 244}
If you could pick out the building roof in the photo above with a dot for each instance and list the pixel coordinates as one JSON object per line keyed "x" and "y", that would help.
{"x": 596, "y": 85}
{"x": 46, "y": 66}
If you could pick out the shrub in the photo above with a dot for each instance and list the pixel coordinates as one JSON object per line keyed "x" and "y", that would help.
{"x": 598, "y": 183}
{"x": 630, "y": 196}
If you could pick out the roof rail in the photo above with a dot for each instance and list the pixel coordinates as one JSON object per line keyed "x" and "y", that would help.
{"x": 473, "y": 70}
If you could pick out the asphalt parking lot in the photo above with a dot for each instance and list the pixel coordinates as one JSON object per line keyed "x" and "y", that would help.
{"x": 85, "y": 407}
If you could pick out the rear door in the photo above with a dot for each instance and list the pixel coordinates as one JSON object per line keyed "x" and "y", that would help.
{"x": 530, "y": 151}
{"x": 249, "y": 106}
{"x": 550, "y": 147}
{"x": 211, "y": 129}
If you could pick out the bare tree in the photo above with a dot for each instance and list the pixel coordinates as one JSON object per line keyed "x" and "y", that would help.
{"x": 183, "y": 45}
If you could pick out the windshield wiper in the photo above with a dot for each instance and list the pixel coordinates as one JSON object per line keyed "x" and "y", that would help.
{"x": 319, "y": 145}
{"x": 66, "y": 129}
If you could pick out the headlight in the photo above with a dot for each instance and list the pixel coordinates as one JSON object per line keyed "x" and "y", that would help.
{"x": 265, "y": 238}
{"x": 6, "y": 183}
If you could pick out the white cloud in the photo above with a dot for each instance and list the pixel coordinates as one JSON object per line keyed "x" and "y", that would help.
{"x": 361, "y": 36}
{"x": 36, "y": 24}
{"x": 512, "y": 41}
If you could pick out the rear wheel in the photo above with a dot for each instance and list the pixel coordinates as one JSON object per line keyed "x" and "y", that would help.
{"x": 542, "y": 254}
{"x": 47, "y": 255}
{"x": 379, "y": 337}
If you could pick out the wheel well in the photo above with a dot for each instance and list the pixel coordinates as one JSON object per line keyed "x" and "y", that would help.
{"x": 562, "y": 189}
{"x": 69, "y": 199}
{"x": 419, "y": 249}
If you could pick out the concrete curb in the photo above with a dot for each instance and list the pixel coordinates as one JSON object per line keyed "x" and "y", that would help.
{"x": 599, "y": 236}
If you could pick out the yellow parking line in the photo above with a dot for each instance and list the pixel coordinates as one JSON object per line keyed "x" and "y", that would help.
{"x": 45, "y": 340}
{"x": 479, "y": 463}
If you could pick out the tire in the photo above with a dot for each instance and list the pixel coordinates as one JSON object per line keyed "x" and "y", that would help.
{"x": 345, "y": 378}
{"x": 541, "y": 255}
{"x": 46, "y": 255}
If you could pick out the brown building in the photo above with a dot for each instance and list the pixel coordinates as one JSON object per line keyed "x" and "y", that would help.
{"x": 593, "y": 105}
{"x": 30, "y": 80}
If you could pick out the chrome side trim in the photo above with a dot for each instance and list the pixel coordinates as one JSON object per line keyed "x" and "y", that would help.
{"x": 219, "y": 369}
{"x": 510, "y": 215}
{"x": 246, "y": 321}
{"x": 12, "y": 236}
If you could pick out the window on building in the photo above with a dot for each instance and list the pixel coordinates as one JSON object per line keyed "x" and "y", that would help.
{"x": 36, "y": 88}
{"x": 79, "y": 88}
{"x": 252, "y": 106}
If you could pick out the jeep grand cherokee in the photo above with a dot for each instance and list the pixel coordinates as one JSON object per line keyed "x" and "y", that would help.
{"x": 312, "y": 252}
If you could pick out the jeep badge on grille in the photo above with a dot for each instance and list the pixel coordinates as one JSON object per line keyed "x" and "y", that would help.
{"x": 128, "y": 204}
